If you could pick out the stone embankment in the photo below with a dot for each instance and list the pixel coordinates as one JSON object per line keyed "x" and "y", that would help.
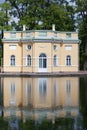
{"x": 79, "y": 73}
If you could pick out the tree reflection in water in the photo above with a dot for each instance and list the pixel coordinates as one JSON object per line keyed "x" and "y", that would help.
{"x": 3, "y": 124}
{"x": 59, "y": 124}
{"x": 83, "y": 103}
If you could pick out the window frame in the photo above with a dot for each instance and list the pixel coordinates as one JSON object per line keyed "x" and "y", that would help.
{"x": 28, "y": 60}
{"x": 42, "y": 61}
{"x": 55, "y": 47}
{"x": 68, "y": 35}
{"x": 68, "y": 60}
{"x": 28, "y": 47}
{"x": 12, "y": 60}
{"x": 55, "y": 60}
{"x": 28, "y": 34}
{"x": 43, "y": 34}
{"x": 13, "y": 34}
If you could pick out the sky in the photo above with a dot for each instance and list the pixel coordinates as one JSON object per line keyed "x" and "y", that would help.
{"x": 1, "y": 1}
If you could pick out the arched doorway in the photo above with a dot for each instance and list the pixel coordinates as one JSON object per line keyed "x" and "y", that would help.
{"x": 42, "y": 63}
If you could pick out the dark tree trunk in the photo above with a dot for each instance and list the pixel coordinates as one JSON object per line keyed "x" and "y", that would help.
{"x": 85, "y": 59}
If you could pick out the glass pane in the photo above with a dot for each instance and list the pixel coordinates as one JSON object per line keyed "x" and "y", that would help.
{"x": 40, "y": 63}
{"x": 68, "y": 60}
{"x": 13, "y": 35}
{"x": 29, "y": 60}
{"x": 43, "y": 34}
{"x": 12, "y": 60}
{"x": 44, "y": 63}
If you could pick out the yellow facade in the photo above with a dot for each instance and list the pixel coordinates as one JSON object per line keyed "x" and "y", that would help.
{"x": 40, "y": 51}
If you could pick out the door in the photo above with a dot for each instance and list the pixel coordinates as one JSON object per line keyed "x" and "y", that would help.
{"x": 42, "y": 63}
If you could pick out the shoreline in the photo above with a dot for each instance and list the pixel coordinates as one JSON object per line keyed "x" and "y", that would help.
{"x": 46, "y": 74}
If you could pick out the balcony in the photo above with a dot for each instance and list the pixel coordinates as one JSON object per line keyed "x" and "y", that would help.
{"x": 40, "y": 36}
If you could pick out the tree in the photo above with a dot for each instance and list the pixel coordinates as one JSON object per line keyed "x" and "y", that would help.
{"x": 81, "y": 11}
{"x": 4, "y": 16}
{"x": 4, "y": 23}
{"x": 36, "y": 14}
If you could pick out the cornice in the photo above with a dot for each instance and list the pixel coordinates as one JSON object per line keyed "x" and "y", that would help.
{"x": 46, "y": 40}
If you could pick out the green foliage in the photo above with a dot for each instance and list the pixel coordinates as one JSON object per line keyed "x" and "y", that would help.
{"x": 3, "y": 124}
{"x": 81, "y": 13}
{"x": 36, "y": 14}
{"x": 59, "y": 123}
{"x": 29, "y": 125}
{"x": 4, "y": 16}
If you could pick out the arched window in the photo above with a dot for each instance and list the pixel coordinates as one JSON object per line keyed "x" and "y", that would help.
{"x": 12, "y": 60}
{"x": 28, "y": 60}
{"x": 68, "y": 60}
{"x": 55, "y": 60}
{"x": 42, "y": 61}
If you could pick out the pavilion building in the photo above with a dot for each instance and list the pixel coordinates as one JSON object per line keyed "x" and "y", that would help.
{"x": 35, "y": 51}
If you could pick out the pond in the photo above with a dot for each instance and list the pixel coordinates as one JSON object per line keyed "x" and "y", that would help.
{"x": 43, "y": 103}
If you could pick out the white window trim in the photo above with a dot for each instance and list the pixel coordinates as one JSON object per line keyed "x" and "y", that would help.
{"x": 29, "y": 61}
{"x": 55, "y": 47}
{"x": 12, "y": 65}
{"x": 55, "y": 63}
{"x": 12, "y": 47}
{"x": 70, "y": 61}
{"x": 27, "y": 47}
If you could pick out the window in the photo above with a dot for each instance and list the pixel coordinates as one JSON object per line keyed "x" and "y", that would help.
{"x": 12, "y": 60}
{"x": 55, "y": 61}
{"x": 13, "y": 34}
{"x": 12, "y": 47}
{"x": 68, "y": 60}
{"x": 55, "y": 47}
{"x": 68, "y": 35}
{"x": 43, "y": 34}
{"x": 28, "y": 60}
{"x": 28, "y": 47}
{"x": 55, "y": 34}
{"x": 27, "y": 34}
{"x": 42, "y": 61}
{"x": 68, "y": 47}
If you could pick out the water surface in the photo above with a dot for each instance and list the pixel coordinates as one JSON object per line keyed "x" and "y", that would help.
{"x": 54, "y": 103}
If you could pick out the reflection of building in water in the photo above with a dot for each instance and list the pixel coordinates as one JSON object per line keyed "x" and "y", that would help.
{"x": 12, "y": 92}
{"x": 13, "y": 124}
{"x": 41, "y": 97}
